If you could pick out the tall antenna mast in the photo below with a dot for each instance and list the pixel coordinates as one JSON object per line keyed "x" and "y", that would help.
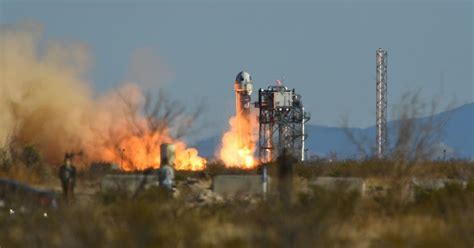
{"x": 381, "y": 102}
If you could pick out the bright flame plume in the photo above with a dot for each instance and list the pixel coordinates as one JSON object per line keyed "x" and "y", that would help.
{"x": 237, "y": 147}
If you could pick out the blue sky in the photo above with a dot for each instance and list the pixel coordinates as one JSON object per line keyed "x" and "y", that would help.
{"x": 326, "y": 50}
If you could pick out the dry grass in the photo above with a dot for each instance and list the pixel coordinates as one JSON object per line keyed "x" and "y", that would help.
{"x": 388, "y": 169}
{"x": 319, "y": 218}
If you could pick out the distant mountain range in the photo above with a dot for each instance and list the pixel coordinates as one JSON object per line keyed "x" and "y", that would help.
{"x": 457, "y": 136}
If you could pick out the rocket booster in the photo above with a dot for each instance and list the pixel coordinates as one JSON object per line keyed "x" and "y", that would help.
{"x": 243, "y": 90}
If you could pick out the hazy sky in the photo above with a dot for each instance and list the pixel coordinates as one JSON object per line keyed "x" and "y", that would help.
{"x": 326, "y": 50}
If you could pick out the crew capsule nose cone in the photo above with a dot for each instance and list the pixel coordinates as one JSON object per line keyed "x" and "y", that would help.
{"x": 243, "y": 78}
{"x": 243, "y": 83}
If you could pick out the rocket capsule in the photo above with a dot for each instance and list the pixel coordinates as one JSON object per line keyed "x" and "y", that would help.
{"x": 243, "y": 83}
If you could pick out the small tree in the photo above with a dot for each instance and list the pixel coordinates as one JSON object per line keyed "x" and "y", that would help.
{"x": 31, "y": 155}
{"x": 161, "y": 115}
{"x": 415, "y": 132}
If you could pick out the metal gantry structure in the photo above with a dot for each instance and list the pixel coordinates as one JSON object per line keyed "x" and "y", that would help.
{"x": 281, "y": 120}
{"x": 381, "y": 102}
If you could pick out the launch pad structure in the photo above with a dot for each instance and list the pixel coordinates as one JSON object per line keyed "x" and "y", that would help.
{"x": 282, "y": 120}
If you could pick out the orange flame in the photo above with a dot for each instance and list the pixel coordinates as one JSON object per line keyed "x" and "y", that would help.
{"x": 238, "y": 147}
{"x": 137, "y": 146}
{"x": 139, "y": 153}
{"x": 188, "y": 159}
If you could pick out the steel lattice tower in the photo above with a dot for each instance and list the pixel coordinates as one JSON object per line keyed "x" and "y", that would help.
{"x": 381, "y": 102}
{"x": 281, "y": 123}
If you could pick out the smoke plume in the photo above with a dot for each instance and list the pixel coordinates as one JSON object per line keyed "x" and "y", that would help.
{"x": 46, "y": 101}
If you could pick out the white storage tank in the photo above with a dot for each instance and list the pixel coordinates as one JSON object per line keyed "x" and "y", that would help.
{"x": 168, "y": 154}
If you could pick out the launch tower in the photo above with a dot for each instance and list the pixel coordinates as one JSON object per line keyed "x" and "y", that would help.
{"x": 281, "y": 122}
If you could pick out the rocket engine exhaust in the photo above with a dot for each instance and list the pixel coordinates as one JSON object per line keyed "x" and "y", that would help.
{"x": 238, "y": 144}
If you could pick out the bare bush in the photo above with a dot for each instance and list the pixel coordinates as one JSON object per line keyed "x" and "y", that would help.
{"x": 415, "y": 133}
{"x": 157, "y": 115}
{"x": 416, "y": 139}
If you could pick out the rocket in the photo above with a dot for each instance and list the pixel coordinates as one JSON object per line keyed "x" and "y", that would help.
{"x": 243, "y": 91}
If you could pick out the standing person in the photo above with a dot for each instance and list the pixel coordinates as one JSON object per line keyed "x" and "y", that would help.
{"x": 166, "y": 176}
{"x": 67, "y": 175}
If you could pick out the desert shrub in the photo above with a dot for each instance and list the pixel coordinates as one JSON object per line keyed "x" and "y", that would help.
{"x": 319, "y": 218}
{"x": 31, "y": 155}
{"x": 388, "y": 169}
